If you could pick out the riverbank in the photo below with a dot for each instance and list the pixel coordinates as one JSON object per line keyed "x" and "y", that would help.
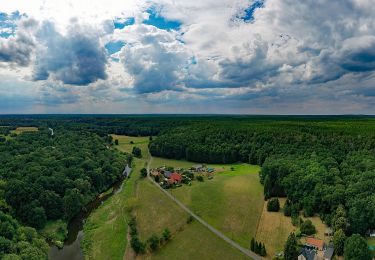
{"x": 105, "y": 230}
{"x": 66, "y": 242}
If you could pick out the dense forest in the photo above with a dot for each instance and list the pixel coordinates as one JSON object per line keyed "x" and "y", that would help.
{"x": 321, "y": 164}
{"x": 46, "y": 178}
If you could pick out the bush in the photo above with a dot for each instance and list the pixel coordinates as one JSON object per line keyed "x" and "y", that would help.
{"x": 200, "y": 178}
{"x": 273, "y": 205}
{"x": 287, "y": 208}
{"x": 307, "y": 228}
{"x": 190, "y": 219}
{"x": 137, "y": 152}
{"x": 116, "y": 142}
{"x": 143, "y": 172}
{"x": 153, "y": 242}
{"x": 166, "y": 234}
{"x": 137, "y": 245}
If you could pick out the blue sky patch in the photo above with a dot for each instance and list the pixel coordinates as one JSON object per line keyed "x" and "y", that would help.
{"x": 8, "y": 24}
{"x": 113, "y": 47}
{"x": 161, "y": 22}
{"x": 248, "y": 15}
{"x": 121, "y": 23}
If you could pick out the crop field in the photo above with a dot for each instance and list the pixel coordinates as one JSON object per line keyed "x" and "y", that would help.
{"x": 20, "y": 130}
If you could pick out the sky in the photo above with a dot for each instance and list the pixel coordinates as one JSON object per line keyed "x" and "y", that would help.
{"x": 196, "y": 56}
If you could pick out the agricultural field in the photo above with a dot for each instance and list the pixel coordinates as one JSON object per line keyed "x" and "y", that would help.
{"x": 231, "y": 202}
{"x": 274, "y": 228}
{"x": 20, "y": 130}
{"x": 196, "y": 242}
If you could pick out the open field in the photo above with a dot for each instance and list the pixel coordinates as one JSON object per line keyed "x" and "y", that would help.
{"x": 106, "y": 228}
{"x": 196, "y": 242}
{"x": 155, "y": 211}
{"x": 231, "y": 202}
{"x": 274, "y": 229}
{"x": 20, "y": 130}
{"x": 126, "y": 146}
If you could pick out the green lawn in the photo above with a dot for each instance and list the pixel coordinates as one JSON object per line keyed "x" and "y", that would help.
{"x": 196, "y": 242}
{"x": 231, "y": 202}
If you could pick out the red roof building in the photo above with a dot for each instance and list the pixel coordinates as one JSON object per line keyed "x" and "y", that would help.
{"x": 315, "y": 243}
{"x": 177, "y": 178}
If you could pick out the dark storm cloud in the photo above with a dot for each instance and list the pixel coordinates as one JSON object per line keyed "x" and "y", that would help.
{"x": 76, "y": 58}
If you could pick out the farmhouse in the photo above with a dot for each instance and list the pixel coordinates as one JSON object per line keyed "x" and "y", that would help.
{"x": 167, "y": 174}
{"x": 175, "y": 177}
{"x": 307, "y": 254}
{"x": 314, "y": 243}
{"x": 198, "y": 168}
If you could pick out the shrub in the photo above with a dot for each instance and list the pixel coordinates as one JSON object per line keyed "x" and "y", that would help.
{"x": 137, "y": 245}
{"x": 166, "y": 234}
{"x": 137, "y": 152}
{"x": 200, "y": 178}
{"x": 143, "y": 172}
{"x": 287, "y": 208}
{"x": 153, "y": 242}
{"x": 307, "y": 228}
{"x": 190, "y": 219}
{"x": 273, "y": 205}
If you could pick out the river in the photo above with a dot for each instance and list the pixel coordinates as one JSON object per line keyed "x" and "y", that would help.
{"x": 72, "y": 245}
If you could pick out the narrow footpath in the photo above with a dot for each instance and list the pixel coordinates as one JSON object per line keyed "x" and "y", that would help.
{"x": 200, "y": 220}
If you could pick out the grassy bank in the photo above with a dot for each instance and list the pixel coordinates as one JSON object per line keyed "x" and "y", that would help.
{"x": 105, "y": 231}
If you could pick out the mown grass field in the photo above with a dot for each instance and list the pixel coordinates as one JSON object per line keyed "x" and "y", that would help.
{"x": 231, "y": 202}
{"x": 156, "y": 211}
{"x": 125, "y": 144}
{"x": 196, "y": 242}
{"x": 274, "y": 229}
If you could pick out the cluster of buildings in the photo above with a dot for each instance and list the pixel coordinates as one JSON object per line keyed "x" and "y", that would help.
{"x": 316, "y": 249}
{"x": 167, "y": 176}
